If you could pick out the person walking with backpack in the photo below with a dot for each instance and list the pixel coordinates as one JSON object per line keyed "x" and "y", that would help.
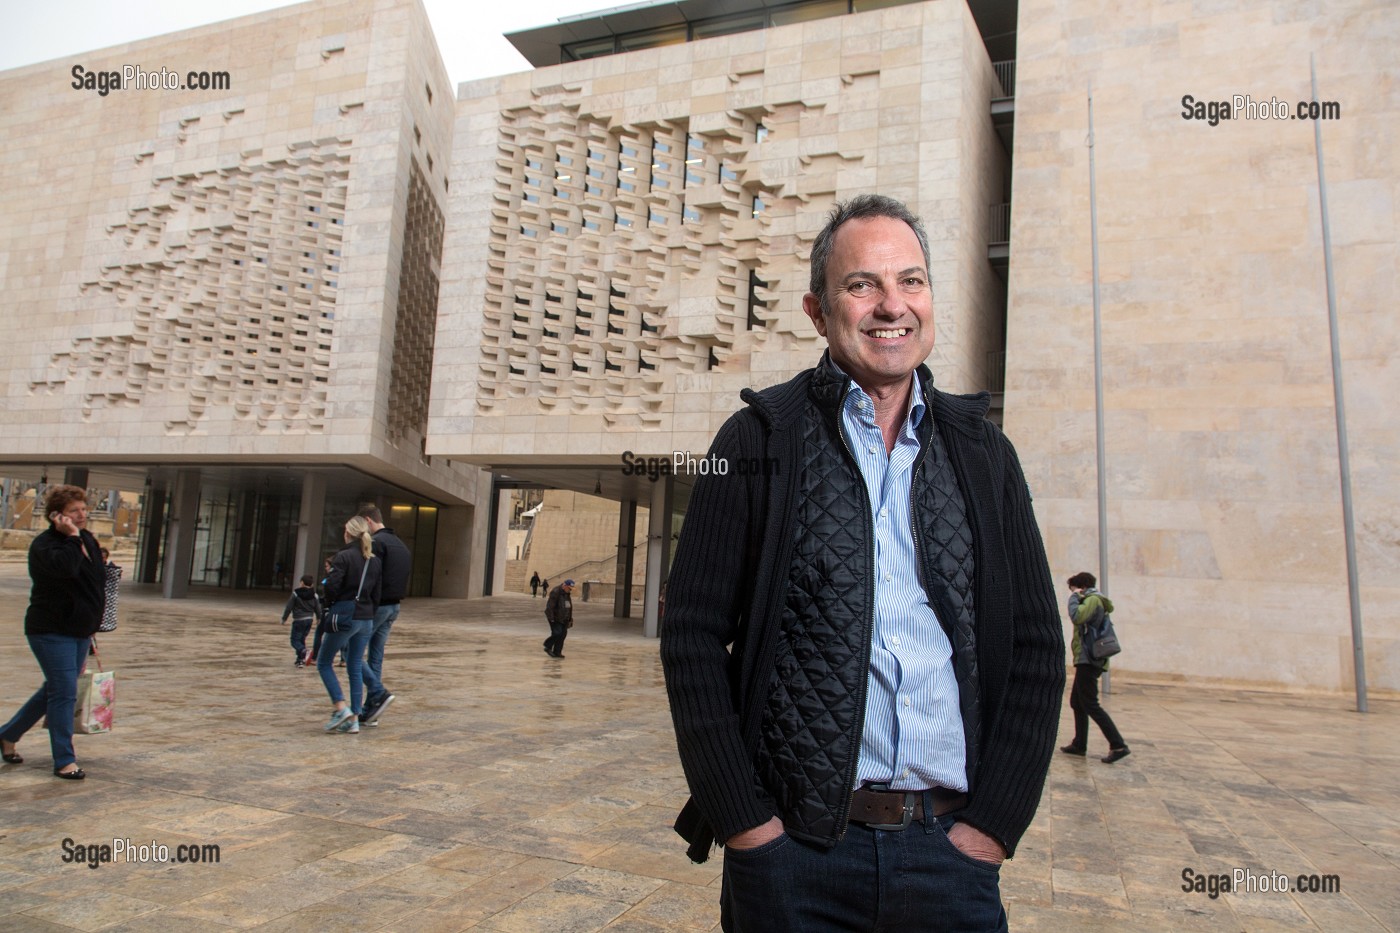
{"x": 1087, "y": 608}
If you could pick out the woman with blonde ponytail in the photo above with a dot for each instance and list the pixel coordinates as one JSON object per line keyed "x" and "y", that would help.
{"x": 352, "y": 593}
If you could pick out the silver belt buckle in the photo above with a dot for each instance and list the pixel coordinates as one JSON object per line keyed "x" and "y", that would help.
{"x": 908, "y": 809}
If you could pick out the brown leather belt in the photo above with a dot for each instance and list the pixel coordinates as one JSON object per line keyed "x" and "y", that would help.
{"x": 877, "y": 808}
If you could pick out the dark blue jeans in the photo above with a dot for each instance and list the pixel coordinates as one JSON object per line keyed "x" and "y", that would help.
{"x": 353, "y": 640}
{"x": 874, "y": 880}
{"x": 384, "y": 617}
{"x": 61, "y": 658}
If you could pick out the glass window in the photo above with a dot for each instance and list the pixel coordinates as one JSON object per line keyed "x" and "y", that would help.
{"x": 862, "y": 6}
{"x": 728, "y": 25}
{"x": 578, "y": 51}
{"x": 652, "y": 38}
{"x": 804, "y": 12}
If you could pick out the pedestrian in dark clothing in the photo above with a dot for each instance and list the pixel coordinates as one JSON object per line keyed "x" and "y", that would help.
{"x": 65, "y": 608}
{"x": 559, "y": 610}
{"x": 1087, "y": 607}
{"x": 535, "y": 584}
{"x": 304, "y": 607}
{"x": 398, "y": 567}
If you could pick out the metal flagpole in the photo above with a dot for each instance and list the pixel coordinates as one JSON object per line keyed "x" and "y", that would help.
{"x": 1358, "y": 652}
{"x": 1098, "y": 375}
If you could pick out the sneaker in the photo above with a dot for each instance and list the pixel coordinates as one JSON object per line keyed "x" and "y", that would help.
{"x": 351, "y": 726}
{"x": 339, "y": 717}
{"x": 298, "y": 663}
{"x": 374, "y": 710}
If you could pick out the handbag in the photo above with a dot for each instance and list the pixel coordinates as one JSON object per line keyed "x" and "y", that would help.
{"x": 113, "y": 575}
{"x": 1103, "y": 640}
{"x": 97, "y": 700}
{"x": 341, "y": 615}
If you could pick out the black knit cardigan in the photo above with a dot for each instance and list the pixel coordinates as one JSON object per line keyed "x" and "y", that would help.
{"x": 725, "y": 596}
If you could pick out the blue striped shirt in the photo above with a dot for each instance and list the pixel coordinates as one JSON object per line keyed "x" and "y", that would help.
{"x": 913, "y": 736}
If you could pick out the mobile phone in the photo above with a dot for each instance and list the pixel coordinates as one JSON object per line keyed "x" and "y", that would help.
{"x": 53, "y": 516}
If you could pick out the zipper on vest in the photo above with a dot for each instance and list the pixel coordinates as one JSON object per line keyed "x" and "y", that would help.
{"x": 843, "y": 813}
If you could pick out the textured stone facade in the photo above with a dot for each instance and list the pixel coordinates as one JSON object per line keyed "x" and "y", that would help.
{"x": 241, "y": 274}
{"x": 628, "y": 235}
{"x": 1225, "y": 520}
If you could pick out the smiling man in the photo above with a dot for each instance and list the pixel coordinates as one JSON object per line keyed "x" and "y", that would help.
{"x": 862, "y": 648}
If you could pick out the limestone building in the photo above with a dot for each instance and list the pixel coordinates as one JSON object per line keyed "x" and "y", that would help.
{"x": 339, "y": 278}
{"x": 653, "y": 186}
{"x": 1227, "y": 556}
{"x": 226, "y": 294}
{"x": 627, "y": 234}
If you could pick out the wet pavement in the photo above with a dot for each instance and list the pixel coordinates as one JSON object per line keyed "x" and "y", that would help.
{"x": 507, "y": 791}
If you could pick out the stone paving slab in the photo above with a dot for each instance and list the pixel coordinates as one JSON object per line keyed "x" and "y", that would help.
{"x": 506, "y": 791}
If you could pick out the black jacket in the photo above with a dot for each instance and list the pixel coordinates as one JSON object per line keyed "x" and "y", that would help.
{"x": 69, "y": 589}
{"x": 559, "y": 608}
{"x": 729, "y": 589}
{"x": 398, "y": 564}
{"x": 344, "y": 580}
{"x": 303, "y": 604}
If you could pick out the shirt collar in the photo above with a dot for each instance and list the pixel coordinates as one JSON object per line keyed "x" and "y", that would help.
{"x": 861, "y": 404}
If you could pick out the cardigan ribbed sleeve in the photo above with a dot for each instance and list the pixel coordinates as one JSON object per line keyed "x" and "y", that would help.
{"x": 706, "y": 599}
{"x": 1016, "y": 749}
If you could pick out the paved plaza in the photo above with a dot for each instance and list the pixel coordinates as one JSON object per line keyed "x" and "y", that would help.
{"x": 506, "y": 791}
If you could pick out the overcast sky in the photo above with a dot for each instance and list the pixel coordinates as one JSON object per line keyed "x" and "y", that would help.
{"x": 469, "y": 32}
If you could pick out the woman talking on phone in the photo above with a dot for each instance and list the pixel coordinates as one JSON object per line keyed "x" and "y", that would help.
{"x": 65, "y": 608}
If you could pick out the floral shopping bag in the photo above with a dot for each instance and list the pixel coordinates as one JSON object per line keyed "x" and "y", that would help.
{"x": 97, "y": 700}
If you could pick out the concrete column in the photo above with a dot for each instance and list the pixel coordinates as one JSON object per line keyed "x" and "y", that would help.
{"x": 498, "y": 559}
{"x": 477, "y": 520}
{"x": 658, "y": 551}
{"x": 452, "y": 553}
{"x": 309, "y": 523}
{"x": 179, "y": 535}
{"x": 622, "y": 584}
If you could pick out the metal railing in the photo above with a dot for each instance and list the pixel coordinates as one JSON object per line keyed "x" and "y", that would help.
{"x": 996, "y": 371}
{"x": 1006, "y": 74}
{"x": 1000, "y": 224}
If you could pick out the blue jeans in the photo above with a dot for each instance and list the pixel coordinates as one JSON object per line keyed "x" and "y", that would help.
{"x": 915, "y": 880}
{"x": 384, "y": 618}
{"x": 61, "y": 658}
{"x": 353, "y": 640}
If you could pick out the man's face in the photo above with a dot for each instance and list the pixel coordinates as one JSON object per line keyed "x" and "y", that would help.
{"x": 880, "y": 326}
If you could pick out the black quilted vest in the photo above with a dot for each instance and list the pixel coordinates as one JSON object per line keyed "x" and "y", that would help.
{"x": 809, "y": 739}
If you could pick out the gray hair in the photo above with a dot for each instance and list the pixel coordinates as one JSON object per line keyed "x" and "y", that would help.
{"x": 861, "y": 207}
